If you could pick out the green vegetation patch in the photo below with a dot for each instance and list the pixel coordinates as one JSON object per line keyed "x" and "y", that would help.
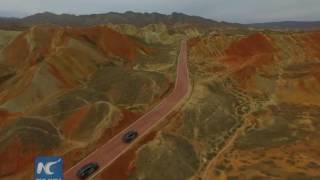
{"x": 129, "y": 87}
{"x": 32, "y": 131}
{"x": 170, "y": 158}
{"x": 287, "y": 126}
{"x": 98, "y": 113}
{"x": 7, "y": 36}
{"x": 212, "y": 116}
{"x": 69, "y": 102}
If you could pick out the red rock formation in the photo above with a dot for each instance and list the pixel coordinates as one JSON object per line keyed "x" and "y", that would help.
{"x": 243, "y": 50}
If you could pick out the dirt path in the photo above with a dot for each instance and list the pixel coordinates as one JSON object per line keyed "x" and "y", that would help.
{"x": 247, "y": 122}
{"x": 208, "y": 172}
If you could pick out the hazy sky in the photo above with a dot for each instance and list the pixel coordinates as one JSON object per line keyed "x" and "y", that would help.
{"x": 243, "y": 11}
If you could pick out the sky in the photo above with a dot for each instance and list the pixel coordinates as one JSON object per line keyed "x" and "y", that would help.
{"x": 241, "y": 11}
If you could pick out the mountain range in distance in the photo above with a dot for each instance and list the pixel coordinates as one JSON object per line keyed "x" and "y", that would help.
{"x": 129, "y": 17}
{"x": 288, "y": 24}
{"x": 140, "y": 19}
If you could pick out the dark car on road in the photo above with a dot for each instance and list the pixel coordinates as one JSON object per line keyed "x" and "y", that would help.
{"x": 87, "y": 170}
{"x": 130, "y": 136}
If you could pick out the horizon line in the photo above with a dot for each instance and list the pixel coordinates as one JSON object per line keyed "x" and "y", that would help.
{"x": 150, "y": 12}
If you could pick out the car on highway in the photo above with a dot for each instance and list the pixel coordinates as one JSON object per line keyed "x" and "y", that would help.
{"x": 87, "y": 170}
{"x": 130, "y": 136}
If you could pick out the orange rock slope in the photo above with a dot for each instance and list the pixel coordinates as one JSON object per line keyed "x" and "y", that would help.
{"x": 42, "y": 41}
{"x": 62, "y": 57}
{"x": 292, "y": 58}
{"x": 57, "y": 95}
{"x": 253, "y": 112}
{"x": 278, "y": 73}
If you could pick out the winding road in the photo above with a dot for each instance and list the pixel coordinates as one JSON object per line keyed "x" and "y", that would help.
{"x": 114, "y": 148}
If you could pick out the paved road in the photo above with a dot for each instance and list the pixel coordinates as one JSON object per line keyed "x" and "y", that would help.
{"x": 114, "y": 148}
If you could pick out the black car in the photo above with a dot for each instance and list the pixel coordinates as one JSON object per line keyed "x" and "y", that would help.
{"x": 87, "y": 170}
{"x": 130, "y": 136}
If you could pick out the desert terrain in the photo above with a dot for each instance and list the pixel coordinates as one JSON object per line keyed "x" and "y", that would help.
{"x": 65, "y": 91}
{"x": 252, "y": 113}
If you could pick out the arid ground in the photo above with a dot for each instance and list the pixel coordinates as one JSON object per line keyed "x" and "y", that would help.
{"x": 253, "y": 112}
{"x": 65, "y": 91}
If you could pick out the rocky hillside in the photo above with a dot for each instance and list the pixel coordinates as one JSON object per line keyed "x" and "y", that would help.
{"x": 64, "y": 91}
{"x": 253, "y": 113}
